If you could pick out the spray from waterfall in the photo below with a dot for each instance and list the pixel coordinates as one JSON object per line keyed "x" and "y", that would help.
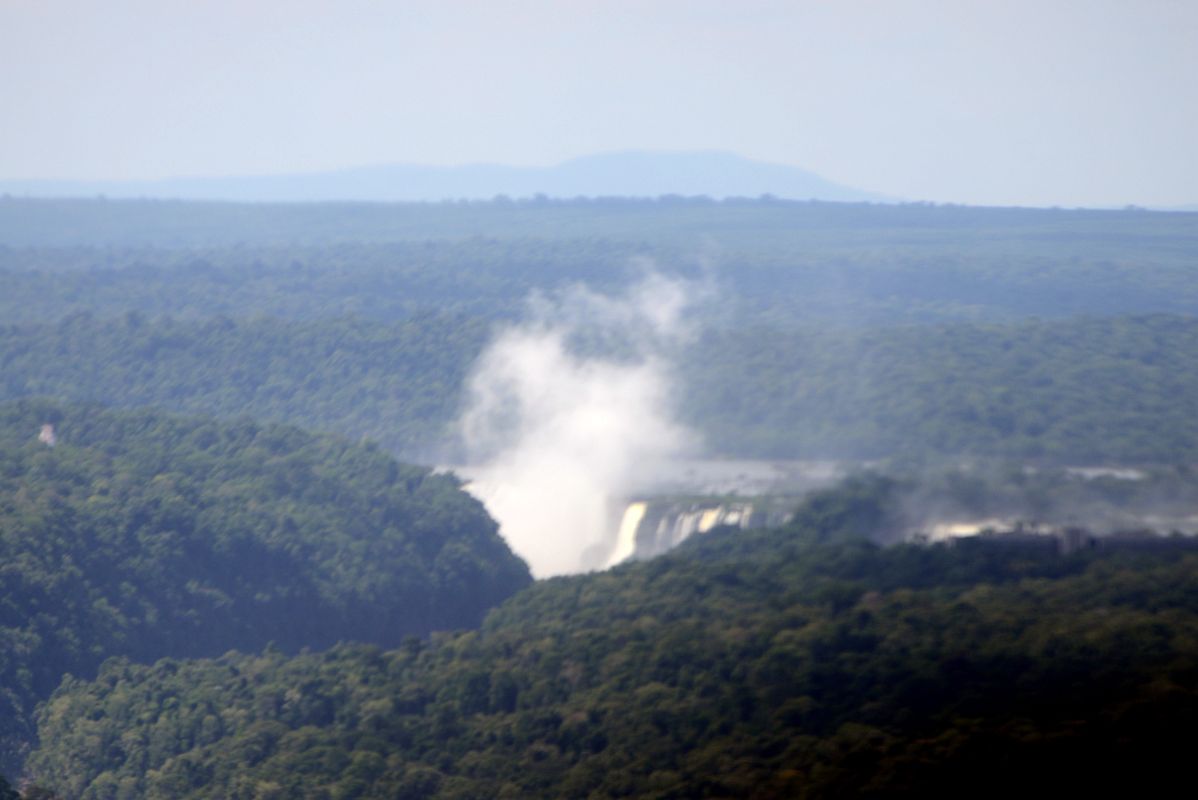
{"x": 569, "y": 411}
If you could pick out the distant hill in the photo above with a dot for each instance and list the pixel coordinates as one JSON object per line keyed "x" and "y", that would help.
{"x": 627, "y": 174}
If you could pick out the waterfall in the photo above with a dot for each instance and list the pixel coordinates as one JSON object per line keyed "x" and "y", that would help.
{"x": 630, "y": 523}
{"x": 710, "y": 518}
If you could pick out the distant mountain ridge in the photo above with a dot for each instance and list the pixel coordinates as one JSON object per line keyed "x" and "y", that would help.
{"x": 624, "y": 174}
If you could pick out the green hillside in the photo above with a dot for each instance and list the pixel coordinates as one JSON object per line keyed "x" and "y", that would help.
{"x": 226, "y": 608}
{"x": 147, "y": 535}
{"x": 793, "y": 663}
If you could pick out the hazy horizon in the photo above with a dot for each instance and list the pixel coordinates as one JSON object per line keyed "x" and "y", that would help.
{"x": 714, "y": 174}
{"x": 1040, "y": 104}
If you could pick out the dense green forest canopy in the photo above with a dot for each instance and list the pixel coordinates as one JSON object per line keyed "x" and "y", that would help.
{"x": 147, "y": 535}
{"x": 767, "y": 271}
{"x": 805, "y": 661}
{"x": 1087, "y": 390}
{"x": 488, "y": 278}
{"x": 801, "y": 662}
{"x": 740, "y": 224}
{"x": 1084, "y": 390}
{"x": 828, "y": 330}
{"x": 395, "y": 384}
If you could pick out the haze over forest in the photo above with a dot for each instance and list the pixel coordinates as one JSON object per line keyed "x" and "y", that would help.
{"x": 598, "y": 399}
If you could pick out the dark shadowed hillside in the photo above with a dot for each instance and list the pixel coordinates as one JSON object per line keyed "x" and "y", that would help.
{"x": 793, "y": 663}
{"x": 146, "y": 535}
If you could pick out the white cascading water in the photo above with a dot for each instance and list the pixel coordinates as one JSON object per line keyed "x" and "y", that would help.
{"x": 630, "y": 523}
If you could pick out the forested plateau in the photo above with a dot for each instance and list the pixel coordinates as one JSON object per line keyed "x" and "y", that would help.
{"x": 774, "y": 264}
{"x": 1088, "y": 390}
{"x": 822, "y": 329}
{"x": 736, "y": 224}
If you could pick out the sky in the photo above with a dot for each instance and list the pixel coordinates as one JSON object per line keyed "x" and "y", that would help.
{"x": 1042, "y": 102}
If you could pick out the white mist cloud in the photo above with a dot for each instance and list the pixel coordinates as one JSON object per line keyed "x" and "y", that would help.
{"x": 557, "y": 437}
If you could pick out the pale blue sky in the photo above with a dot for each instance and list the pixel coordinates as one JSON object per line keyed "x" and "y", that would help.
{"x": 1013, "y": 102}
